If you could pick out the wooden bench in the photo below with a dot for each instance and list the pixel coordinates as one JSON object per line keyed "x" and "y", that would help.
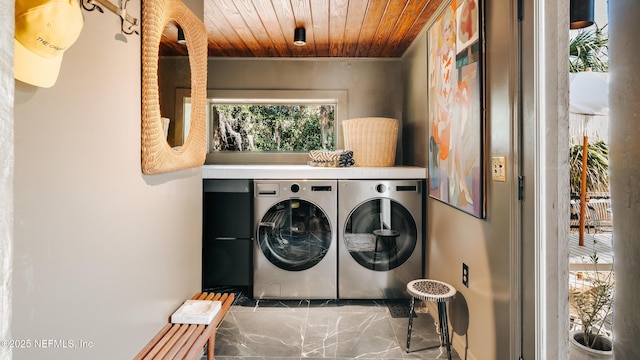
{"x": 186, "y": 341}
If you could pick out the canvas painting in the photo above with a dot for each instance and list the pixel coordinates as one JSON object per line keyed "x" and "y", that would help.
{"x": 455, "y": 107}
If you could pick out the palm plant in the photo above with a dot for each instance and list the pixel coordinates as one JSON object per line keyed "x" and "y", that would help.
{"x": 589, "y": 50}
{"x": 597, "y": 167}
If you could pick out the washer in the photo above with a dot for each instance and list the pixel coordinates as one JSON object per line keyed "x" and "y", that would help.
{"x": 295, "y": 252}
{"x": 381, "y": 237}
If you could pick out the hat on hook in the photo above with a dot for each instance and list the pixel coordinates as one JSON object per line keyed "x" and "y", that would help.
{"x": 45, "y": 29}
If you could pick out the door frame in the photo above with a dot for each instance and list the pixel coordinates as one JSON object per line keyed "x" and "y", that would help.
{"x": 544, "y": 162}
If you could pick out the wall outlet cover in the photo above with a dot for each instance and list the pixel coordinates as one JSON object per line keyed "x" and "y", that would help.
{"x": 499, "y": 168}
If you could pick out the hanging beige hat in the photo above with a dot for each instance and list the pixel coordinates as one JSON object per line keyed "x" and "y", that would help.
{"x": 44, "y": 30}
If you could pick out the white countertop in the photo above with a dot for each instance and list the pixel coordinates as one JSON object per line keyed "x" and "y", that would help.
{"x": 310, "y": 172}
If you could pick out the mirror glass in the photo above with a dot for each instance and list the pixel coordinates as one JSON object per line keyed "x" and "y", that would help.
{"x": 164, "y": 147}
{"x": 182, "y": 117}
{"x": 173, "y": 68}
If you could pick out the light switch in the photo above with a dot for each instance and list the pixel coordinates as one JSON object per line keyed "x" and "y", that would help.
{"x": 499, "y": 168}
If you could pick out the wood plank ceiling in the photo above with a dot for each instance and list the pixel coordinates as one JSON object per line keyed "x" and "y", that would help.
{"x": 334, "y": 28}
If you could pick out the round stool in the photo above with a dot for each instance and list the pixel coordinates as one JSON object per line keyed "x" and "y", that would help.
{"x": 435, "y": 291}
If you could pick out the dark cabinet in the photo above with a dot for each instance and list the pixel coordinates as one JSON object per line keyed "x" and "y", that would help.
{"x": 227, "y": 233}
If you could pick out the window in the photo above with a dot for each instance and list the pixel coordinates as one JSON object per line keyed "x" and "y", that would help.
{"x": 272, "y": 126}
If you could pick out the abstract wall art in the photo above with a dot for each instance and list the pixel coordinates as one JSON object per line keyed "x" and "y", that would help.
{"x": 455, "y": 107}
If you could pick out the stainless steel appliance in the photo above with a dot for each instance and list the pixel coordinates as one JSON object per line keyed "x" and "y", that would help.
{"x": 227, "y": 233}
{"x": 381, "y": 237}
{"x": 295, "y": 252}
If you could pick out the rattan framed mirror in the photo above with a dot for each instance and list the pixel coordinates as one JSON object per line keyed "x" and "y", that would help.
{"x": 157, "y": 155}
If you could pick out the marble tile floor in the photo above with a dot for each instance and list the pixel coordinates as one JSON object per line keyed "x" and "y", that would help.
{"x": 333, "y": 329}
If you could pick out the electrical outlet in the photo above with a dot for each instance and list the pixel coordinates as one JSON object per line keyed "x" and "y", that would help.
{"x": 465, "y": 274}
{"x": 499, "y": 168}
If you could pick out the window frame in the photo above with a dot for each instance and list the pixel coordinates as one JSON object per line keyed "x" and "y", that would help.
{"x": 339, "y": 97}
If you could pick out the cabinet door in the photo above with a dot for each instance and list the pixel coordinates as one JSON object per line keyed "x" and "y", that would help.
{"x": 227, "y": 262}
{"x": 227, "y": 209}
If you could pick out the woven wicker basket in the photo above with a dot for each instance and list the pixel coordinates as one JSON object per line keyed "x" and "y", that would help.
{"x": 373, "y": 140}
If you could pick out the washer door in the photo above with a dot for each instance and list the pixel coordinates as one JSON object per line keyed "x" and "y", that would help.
{"x": 294, "y": 234}
{"x": 380, "y": 234}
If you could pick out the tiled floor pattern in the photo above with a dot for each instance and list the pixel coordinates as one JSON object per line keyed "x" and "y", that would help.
{"x": 333, "y": 329}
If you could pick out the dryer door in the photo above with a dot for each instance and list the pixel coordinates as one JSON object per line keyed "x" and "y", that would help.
{"x": 380, "y": 234}
{"x": 294, "y": 234}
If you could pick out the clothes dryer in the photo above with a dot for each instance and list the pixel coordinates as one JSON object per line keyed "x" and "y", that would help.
{"x": 295, "y": 253}
{"x": 381, "y": 237}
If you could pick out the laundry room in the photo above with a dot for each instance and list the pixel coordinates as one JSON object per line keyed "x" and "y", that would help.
{"x": 106, "y": 251}
{"x": 334, "y": 238}
{"x": 285, "y": 184}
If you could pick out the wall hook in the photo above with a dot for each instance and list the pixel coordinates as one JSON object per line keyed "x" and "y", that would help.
{"x": 129, "y": 23}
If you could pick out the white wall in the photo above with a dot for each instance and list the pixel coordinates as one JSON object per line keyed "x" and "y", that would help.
{"x": 103, "y": 253}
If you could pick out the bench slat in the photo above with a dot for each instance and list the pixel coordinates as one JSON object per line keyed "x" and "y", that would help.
{"x": 158, "y": 345}
{"x": 171, "y": 341}
{"x": 179, "y": 342}
{"x": 186, "y": 341}
{"x": 152, "y": 343}
{"x": 192, "y": 339}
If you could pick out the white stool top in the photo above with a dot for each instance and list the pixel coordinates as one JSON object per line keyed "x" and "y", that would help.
{"x": 431, "y": 290}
